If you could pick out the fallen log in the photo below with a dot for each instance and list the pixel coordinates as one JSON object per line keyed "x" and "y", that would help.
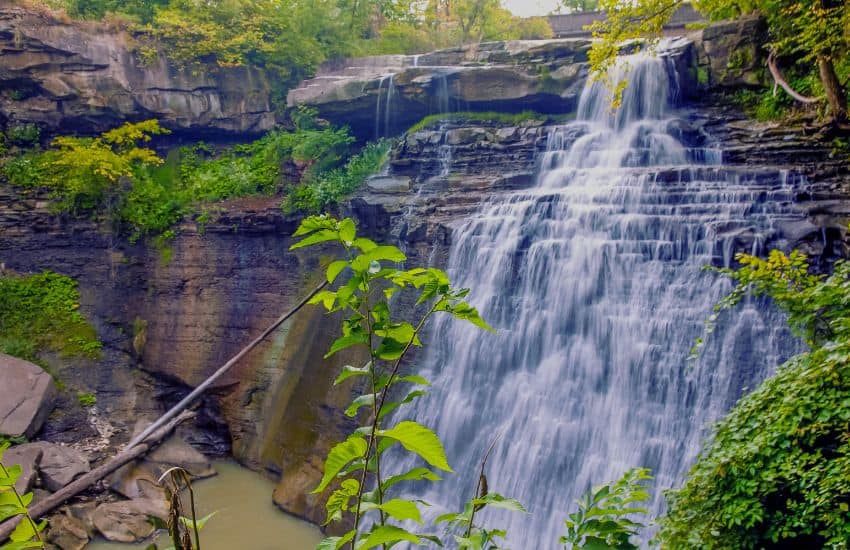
{"x": 83, "y": 482}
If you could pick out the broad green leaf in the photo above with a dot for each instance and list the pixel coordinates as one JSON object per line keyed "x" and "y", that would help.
{"x": 339, "y": 499}
{"x": 321, "y": 236}
{"x": 386, "y": 252}
{"x": 24, "y": 532}
{"x": 414, "y": 379}
{"x": 347, "y": 230}
{"x": 416, "y": 474}
{"x": 14, "y": 472}
{"x": 364, "y": 244}
{"x": 397, "y": 508}
{"x": 326, "y": 297}
{"x": 386, "y": 534}
{"x": 340, "y": 455}
{"x": 335, "y": 543}
{"x": 335, "y": 268}
{"x": 200, "y": 523}
{"x": 418, "y": 439}
{"x": 344, "y": 342}
{"x": 393, "y": 405}
{"x": 348, "y": 372}
{"x": 361, "y": 401}
{"x": 496, "y": 500}
{"x": 314, "y": 223}
{"x": 390, "y": 349}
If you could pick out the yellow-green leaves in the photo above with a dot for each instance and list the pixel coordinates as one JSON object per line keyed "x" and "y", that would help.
{"x": 12, "y": 504}
{"x": 340, "y": 456}
{"x": 418, "y": 439}
{"x": 339, "y": 499}
{"x": 386, "y": 534}
{"x": 396, "y": 508}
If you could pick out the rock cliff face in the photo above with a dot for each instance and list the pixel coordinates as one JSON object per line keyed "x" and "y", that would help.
{"x": 167, "y": 323}
{"x": 75, "y": 77}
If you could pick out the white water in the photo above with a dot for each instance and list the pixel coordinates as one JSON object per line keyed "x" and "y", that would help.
{"x": 594, "y": 282}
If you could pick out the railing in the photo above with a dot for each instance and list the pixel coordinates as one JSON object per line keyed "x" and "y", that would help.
{"x": 572, "y": 25}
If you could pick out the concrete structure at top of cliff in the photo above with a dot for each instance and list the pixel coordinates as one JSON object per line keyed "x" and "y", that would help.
{"x": 80, "y": 77}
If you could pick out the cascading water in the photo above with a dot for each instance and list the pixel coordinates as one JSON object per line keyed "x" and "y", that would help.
{"x": 593, "y": 280}
{"x": 384, "y": 108}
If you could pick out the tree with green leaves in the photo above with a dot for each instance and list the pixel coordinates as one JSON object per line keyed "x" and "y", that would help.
{"x": 577, "y": 6}
{"x": 812, "y": 32}
{"x": 356, "y": 472}
{"x": 776, "y": 471}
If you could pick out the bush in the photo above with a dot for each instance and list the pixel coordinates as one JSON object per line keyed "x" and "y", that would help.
{"x": 25, "y": 135}
{"x": 40, "y": 312}
{"x": 322, "y": 191}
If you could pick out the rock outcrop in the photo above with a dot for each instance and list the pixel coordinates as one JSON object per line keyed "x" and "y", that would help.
{"x": 85, "y": 77}
{"x": 26, "y": 397}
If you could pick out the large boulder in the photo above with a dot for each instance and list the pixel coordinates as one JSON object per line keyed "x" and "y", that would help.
{"x": 59, "y": 465}
{"x": 128, "y": 520}
{"x": 28, "y": 458}
{"x": 26, "y": 397}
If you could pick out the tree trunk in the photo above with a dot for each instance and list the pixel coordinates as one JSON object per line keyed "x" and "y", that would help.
{"x": 834, "y": 90}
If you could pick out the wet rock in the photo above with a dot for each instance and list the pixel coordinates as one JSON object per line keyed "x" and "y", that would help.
{"x": 67, "y": 532}
{"x": 389, "y": 184}
{"x": 59, "y": 465}
{"x": 128, "y": 520}
{"x": 176, "y": 452}
{"x": 136, "y": 480}
{"x": 26, "y": 397}
{"x": 28, "y": 457}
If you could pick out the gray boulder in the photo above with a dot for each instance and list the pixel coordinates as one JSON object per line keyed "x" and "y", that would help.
{"x": 26, "y": 397}
{"x": 59, "y": 465}
{"x": 128, "y": 520}
{"x": 28, "y": 458}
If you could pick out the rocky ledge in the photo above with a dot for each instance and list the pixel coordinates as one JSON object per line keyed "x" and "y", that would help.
{"x": 86, "y": 78}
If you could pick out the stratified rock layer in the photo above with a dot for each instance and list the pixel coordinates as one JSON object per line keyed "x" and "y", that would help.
{"x": 78, "y": 77}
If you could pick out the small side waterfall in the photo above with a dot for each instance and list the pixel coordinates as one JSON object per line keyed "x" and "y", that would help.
{"x": 384, "y": 116}
{"x": 593, "y": 279}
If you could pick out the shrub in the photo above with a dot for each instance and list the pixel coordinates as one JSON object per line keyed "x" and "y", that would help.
{"x": 24, "y": 134}
{"x": 41, "y": 312}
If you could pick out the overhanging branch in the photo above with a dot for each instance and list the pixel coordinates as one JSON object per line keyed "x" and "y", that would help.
{"x": 778, "y": 78}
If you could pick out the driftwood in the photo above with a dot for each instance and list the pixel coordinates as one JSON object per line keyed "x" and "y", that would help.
{"x": 779, "y": 79}
{"x": 83, "y": 482}
{"x": 151, "y": 435}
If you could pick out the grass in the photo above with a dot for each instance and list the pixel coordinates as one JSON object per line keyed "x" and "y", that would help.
{"x": 485, "y": 116}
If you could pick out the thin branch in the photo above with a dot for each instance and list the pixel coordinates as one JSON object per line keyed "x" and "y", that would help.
{"x": 481, "y": 479}
{"x": 778, "y": 78}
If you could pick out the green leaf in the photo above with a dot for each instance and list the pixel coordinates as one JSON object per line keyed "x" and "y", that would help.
{"x": 342, "y": 453}
{"x": 414, "y": 379}
{"x": 390, "y": 349}
{"x": 200, "y": 523}
{"x": 10, "y": 480}
{"x": 335, "y": 268}
{"x": 360, "y": 338}
{"x": 496, "y": 500}
{"x": 326, "y": 297}
{"x": 418, "y": 439}
{"x": 314, "y": 223}
{"x": 364, "y": 244}
{"x": 361, "y": 401}
{"x": 397, "y": 508}
{"x": 349, "y": 372}
{"x": 339, "y": 499}
{"x": 386, "y": 534}
{"x": 347, "y": 230}
{"x": 321, "y": 236}
{"x": 24, "y": 532}
{"x": 386, "y": 252}
{"x": 335, "y": 543}
{"x": 416, "y": 474}
{"x": 393, "y": 405}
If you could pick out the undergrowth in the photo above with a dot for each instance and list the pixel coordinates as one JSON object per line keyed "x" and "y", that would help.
{"x": 487, "y": 116}
{"x": 40, "y": 312}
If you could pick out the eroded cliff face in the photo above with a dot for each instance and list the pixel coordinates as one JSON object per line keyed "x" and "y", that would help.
{"x": 168, "y": 322}
{"x": 87, "y": 78}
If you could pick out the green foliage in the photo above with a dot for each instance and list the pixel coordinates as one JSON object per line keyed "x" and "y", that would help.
{"x": 777, "y": 470}
{"x": 319, "y": 191}
{"x": 23, "y": 134}
{"x": 84, "y": 173}
{"x": 809, "y": 32}
{"x": 41, "y": 312}
{"x": 27, "y": 533}
{"x": 604, "y": 519}
{"x": 474, "y": 116}
{"x": 576, "y": 6}
{"x": 372, "y": 328}
{"x": 86, "y": 399}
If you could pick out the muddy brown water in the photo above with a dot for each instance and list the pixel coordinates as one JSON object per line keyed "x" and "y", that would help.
{"x": 245, "y": 516}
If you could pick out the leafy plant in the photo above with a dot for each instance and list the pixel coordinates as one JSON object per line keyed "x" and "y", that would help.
{"x": 41, "y": 312}
{"x": 27, "y": 533}
{"x": 776, "y": 471}
{"x": 355, "y": 465}
{"x": 474, "y": 116}
{"x": 319, "y": 192}
{"x": 183, "y": 530}
{"x": 86, "y": 399}
{"x": 604, "y": 520}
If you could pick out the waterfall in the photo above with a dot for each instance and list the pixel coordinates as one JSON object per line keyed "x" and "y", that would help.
{"x": 593, "y": 280}
{"x": 445, "y": 151}
{"x": 383, "y": 116}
